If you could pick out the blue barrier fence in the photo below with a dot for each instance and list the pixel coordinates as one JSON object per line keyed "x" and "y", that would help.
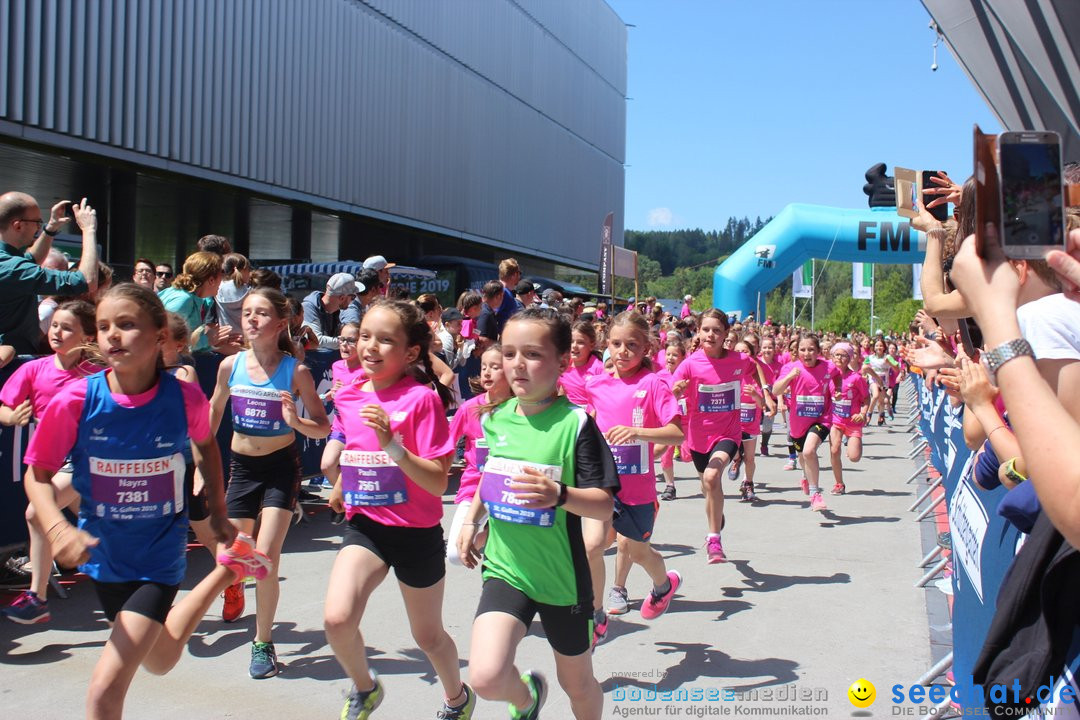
{"x": 983, "y": 543}
{"x": 13, "y": 440}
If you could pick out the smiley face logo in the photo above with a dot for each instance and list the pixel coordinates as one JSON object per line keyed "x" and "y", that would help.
{"x": 862, "y": 693}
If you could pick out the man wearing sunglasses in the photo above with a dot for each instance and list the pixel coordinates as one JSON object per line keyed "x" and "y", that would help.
{"x": 22, "y": 279}
{"x": 163, "y": 275}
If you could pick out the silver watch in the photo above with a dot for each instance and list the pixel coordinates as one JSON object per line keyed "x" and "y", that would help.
{"x": 1007, "y": 351}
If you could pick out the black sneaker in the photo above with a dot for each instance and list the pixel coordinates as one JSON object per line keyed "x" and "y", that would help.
{"x": 336, "y": 518}
{"x": 668, "y": 493}
{"x": 538, "y": 690}
{"x": 459, "y": 712}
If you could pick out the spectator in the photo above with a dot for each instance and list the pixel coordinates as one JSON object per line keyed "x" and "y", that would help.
{"x": 163, "y": 275}
{"x": 143, "y": 274}
{"x": 217, "y": 244}
{"x": 370, "y": 290}
{"x": 201, "y": 278}
{"x": 551, "y": 298}
{"x": 509, "y": 276}
{"x": 686, "y": 306}
{"x": 321, "y": 309}
{"x": 55, "y": 260}
{"x": 378, "y": 263}
{"x": 22, "y": 280}
{"x": 487, "y": 325}
{"x": 524, "y": 295}
{"x": 303, "y": 337}
{"x": 265, "y": 278}
{"x": 234, "y": 288}
{"x": 470, "y": 304}
{"x": 450, "y": 336}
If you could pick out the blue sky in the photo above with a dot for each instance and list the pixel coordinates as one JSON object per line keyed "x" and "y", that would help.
{"x": 741, "y": 107}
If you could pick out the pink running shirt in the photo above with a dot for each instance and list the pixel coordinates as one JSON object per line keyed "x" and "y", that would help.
{"x": 40, "y": 380}
{"x": 712, "y": 397}
{"x": 372, "y": 483}
{"x": 811, "y": 394}
{"x": 853, "y": 392}
{"x": 573, "y": 380}
{"x": 645, "y": 401}
{"x": 466, "y": 423}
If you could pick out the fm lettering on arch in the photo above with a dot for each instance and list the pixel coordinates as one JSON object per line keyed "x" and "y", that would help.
{"x": 891, "y": 237}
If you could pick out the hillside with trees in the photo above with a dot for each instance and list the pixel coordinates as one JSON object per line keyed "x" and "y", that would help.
{"x": 672, "y": 263}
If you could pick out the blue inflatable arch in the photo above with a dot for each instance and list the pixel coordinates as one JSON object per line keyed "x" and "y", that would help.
{"x": 801, "y": 232}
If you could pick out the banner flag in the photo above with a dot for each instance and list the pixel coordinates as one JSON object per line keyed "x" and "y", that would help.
{"x": 862, "y": 281}
{"x": 802, "y": 281}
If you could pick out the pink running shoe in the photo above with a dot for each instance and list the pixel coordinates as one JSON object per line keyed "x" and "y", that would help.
{"x": 789, "y": 465}
{"x": 715, "y": 551}
{"x": 817, "y": 502}
{"x": 805, "y": 486}
{"x": 242, "y": 558}
{"x": 655, "y": 606}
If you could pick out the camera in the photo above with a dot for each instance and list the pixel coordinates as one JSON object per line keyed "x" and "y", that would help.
{"x": 933, "y": 67}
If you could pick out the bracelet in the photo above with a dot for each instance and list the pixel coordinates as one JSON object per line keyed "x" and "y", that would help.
{"x": 936, "y": 230}
{"x": 991, "y": 433}
{"x": 473, "y": 524}
{"x": 395, "y": 451}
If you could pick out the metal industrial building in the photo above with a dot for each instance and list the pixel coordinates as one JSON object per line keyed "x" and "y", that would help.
{"x": 322, "y": 129}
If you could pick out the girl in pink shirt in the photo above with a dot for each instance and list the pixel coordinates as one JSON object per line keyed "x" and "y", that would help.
{"x": 583, "y": 362}
{"x": 850, "y": 406}
{"x": 466, "y": 423}
{"x": 812, "y": 382}
{"x": 343, "y": 372}
{"x": 25, "y": 396}
{"x": 674, "y": 354}
{"x": 393, "y": 472}
{"x": 750, "y": 413}
{"x": 711, "y": 382}
{"x": 771, "y": 365}
{"x": 633, "y": 409}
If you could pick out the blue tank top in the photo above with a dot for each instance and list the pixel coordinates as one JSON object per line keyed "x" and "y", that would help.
{"x": 256, "y": 407}
{"x": 128, "y": 467}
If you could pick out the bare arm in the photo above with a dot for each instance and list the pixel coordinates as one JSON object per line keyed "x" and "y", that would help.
{"x": 316, "y": 426}
{"x": 220, "y": 398}
{"x": 86, "y": 217}
{"x": 207, "y": 457}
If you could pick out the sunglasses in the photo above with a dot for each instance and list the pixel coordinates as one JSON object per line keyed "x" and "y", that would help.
{"x": 163, "y": 274}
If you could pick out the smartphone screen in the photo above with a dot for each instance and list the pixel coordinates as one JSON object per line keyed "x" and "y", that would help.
{"x": 1031, "y": 194}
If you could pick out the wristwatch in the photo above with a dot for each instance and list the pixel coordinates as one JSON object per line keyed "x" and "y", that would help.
{"x": 1010, "y": 471}
{"x": 562, "y": 495}
{"x": 1005, "y": 352}
{"x": 52, "y": 233}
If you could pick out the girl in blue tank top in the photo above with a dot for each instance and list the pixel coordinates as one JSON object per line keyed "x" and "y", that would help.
{"x": 257, "y": 388}
{"x": 125, "y": 429}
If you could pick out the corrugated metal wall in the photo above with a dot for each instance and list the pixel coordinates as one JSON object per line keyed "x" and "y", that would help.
{"x": 496, "y": 120}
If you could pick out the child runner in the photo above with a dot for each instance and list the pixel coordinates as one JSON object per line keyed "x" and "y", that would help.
{"x": 711, "y": 380}
{"x": 259, "y": 387}
{"x": 634, "y": 408}
{"x": 124, "y": 428}
{"x": 466, "y": 423}
{"x": 850, "y": 405}
{"x": 25, "y": 395}
{"x": 752, "y": 401}
{"x": 881, "y": 366}
{"x": 549, "y": 467}
{"x": 342, "y": 372}
{"x": 812, "y": 382}
{"x": 583, "y": 362}
{"x": 674, "y": 354}
{"x": 771, "y": 364}
{"x": 393, "y": 473}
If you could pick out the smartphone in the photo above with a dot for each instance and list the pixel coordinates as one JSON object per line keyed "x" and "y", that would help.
{"x": 1032, "y": 199}
{"x": 908, "y": 190}
{"x": 987, "y": 195}
{"x": 940, "y": 212}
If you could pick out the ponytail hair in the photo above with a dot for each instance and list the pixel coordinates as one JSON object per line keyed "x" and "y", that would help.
{"x": 284, "y": 312}
{"x": 418, "y": 333}
{"x": 716, "y": 315}
{"x": 199, "y": 268}
{"x": 233, "y": 267}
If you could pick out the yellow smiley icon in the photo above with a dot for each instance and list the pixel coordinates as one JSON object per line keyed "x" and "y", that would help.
{"x": 862, "y": 693}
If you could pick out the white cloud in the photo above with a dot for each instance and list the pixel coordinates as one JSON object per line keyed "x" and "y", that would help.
{"x": 661, "y": 217}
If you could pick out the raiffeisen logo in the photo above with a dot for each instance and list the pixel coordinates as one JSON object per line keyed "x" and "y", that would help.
{"x": 974, "y": 698}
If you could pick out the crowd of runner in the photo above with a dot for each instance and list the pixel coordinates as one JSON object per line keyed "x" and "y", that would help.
{"x": 562, "y": 407}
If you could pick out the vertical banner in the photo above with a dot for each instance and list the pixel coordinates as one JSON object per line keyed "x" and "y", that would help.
{"x": 802, "y": 281}
{"x": 916, "y": 281}
{"x": 862, "y": 281}
{"x": 606, "y": 260}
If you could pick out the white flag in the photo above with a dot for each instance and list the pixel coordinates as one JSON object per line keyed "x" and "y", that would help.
{"x": 862, "y": 281}
{"x": 802, "y": 281}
